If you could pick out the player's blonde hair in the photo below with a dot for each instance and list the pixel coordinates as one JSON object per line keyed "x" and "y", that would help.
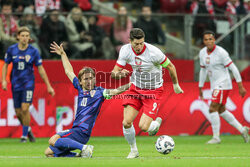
{"x": 23, "y": 29}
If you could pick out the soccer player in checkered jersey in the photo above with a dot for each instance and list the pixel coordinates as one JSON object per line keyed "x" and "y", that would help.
{"x": 90, "y": 99}
{"x": 215, "y": 62}
{"x": 147, "y": 85}
{"x": 24, "y": 56}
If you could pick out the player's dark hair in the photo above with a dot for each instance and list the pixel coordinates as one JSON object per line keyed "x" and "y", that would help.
{"x": 136, "y": 33}
{"x": 23, "y": 29}
{"x": 208, "y": 32}
{"x": 85, "y": 70}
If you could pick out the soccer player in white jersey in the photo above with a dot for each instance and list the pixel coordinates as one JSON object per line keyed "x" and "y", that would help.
{"x": 215, "y": 62}
{"x": 147, "y": 85}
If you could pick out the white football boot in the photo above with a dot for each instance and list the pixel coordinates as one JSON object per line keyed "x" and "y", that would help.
{"x": 87, "y": 152}
{"x": 214, "y": 141}
{"x": 159, "y": 120}
{"x": 133, "y": 154}
{"x": 245, "y": 135}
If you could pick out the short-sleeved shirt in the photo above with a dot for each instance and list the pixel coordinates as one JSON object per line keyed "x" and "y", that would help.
{"x": 23, "y": 61}
{"x": 147, "y": 69}
{"x": 216, "y": 64}
{"x": 88, "y": 106}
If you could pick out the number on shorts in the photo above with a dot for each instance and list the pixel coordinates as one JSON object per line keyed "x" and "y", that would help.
{"x": 154, "y": 106}
{"x": 216, "y": 92}
{"x": 29, "y": 94}
{"x": 20, "y": 65}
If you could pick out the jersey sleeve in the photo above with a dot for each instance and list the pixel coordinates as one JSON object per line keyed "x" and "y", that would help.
{"x": 226, "y": 60}
{"x": 38, "y": 59}
{"x": 8, "y": 56}
{"x": 121, "y": 62}
{"x": 76, "y": 83}
{"x": 159, "y": 58}
{"x": 202, "y": 65}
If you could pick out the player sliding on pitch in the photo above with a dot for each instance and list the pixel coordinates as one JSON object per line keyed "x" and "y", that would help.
{"x": 146, "y": 89}
{"x": 90, "y": 99}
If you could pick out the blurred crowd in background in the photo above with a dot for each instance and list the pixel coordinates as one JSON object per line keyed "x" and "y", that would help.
{"x": 87, "y": 34}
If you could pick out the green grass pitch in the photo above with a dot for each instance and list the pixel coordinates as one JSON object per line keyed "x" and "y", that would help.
{"x": 112, "y": 151}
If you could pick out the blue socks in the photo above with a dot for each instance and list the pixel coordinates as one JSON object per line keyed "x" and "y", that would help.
{"x": 66, "y": 143}
{"x": 25, "y": 130}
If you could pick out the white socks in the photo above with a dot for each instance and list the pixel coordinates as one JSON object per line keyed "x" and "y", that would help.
{"x": 229, "y": 117}
{"x": 215, "y": 123}
{"x": 153, "y": 126}
{"x": 129, "y": 135}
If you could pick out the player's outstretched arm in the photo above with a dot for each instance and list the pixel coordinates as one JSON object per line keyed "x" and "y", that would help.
{"x": 173, "y": 75}
{"x": 66, "y": 64}
{"x": 118, "y": 72}
{"x": 4, "y": 73}
{"x": 45, "y": 78}
{"x": 117, "y": 91}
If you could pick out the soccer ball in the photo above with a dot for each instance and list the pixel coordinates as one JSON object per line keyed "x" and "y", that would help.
{"x": 164, "y": 144}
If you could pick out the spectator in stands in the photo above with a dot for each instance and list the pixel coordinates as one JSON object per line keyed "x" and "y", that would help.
{"x": 42, "y": 6}
{"x": 235, "y": 7}
{"x": 247, "y": 5}
{"x": 20, "y": 5}
{"x": 28, "y": 19}
{"x": 8, "y": 27}
{"x": 151, "y": 27}
{"x": 120, "y": 29}
{"x": 78, "y": 32}
{"x": 104, "y": 47}
{"x": 201, "y": 23}
{"x": 52, "y": 29}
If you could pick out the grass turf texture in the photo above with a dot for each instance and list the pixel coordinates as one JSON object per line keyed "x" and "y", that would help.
{"x": 112, "y": 151}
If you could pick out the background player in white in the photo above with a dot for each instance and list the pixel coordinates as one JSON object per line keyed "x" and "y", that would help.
{"x": 146, "y": 89}
{"x": 215, "y": 62}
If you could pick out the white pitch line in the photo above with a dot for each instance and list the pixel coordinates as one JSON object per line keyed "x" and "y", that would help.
{"x": 42, "y": 157}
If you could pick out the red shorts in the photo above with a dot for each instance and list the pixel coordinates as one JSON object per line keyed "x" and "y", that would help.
{"x": 146, "y": 99}
{"x": 220, "y": 96}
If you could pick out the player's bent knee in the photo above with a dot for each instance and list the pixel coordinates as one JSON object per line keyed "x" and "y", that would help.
{"x": 49, "y": 153}
{"x": 126, "y": 124}
{"x": 53, "y": 139}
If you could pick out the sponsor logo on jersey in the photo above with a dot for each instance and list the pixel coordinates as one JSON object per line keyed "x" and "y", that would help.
{"x": 21, "y": 57}
{"x": 13, "y": 57}
{"x": 27, "y": 58}
{"x": 207, "y": 60}
{"x": 92, "y": 93}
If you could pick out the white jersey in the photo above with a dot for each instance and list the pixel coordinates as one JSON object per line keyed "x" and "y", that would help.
{"x": 216, "y": 65}
{"x": 147, "y": 69}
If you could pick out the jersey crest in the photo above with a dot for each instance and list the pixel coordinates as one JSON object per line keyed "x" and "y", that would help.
{"x": 138, "y": 61}
{"x": 27, "y": 58}
{"x": 92, "y": 93}
{"x": 207, "y": 60}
